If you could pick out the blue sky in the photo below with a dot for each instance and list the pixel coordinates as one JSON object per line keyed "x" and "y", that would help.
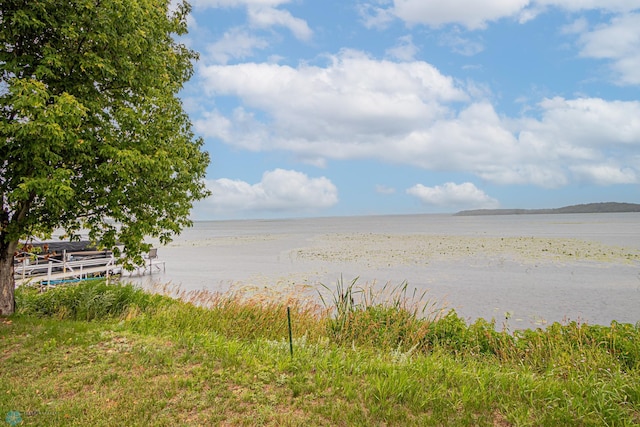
{"x": 338, "y": 107}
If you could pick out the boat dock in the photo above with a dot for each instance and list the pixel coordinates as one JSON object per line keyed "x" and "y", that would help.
{"x": 75, "y": 266}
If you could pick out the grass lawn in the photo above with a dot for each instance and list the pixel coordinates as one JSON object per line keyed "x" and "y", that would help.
{"x": 104, "y": 355}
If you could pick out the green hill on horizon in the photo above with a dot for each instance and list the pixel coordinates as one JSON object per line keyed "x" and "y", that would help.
{"x": 605, "y": 207}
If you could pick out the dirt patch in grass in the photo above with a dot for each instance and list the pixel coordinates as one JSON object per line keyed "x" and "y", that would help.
{"x": 499, "y": 420}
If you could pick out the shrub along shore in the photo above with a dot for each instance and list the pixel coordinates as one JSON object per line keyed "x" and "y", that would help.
{"x": 103, "y": 355}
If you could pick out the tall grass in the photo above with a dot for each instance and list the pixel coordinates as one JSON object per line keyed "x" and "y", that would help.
{"x": 364, "y": 355}
{"x": 387, "y": 317}
{"x": 247, "y": 313}
{"x": 390, "y": 318}
{"x": 393, "y": 318}
{"x": 85, "y": 300}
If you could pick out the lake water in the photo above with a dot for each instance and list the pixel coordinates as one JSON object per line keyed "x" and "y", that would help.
{"x": 537, "y": 268}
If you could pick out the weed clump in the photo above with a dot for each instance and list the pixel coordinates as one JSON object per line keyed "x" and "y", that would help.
{"x": 390, "y": 319}
{"x": 86, "y": 300}
{"x": 393, "y": 319}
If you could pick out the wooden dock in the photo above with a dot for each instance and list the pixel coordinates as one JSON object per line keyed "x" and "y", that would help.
{"x": 88, "y": 265}
{"x": 56, "y": 271}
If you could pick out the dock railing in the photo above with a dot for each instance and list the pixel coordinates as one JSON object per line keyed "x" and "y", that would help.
{"x": 41, "y": 268}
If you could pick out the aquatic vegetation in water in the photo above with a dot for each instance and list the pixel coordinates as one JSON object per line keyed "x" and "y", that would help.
{"x": 380, "y": 250}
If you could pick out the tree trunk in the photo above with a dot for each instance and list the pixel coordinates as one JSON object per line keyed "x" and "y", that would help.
{"x": 7, "y": 282}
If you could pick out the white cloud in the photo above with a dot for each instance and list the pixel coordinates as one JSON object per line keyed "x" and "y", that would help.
{"x": 234, "y": 44}
{"x": 236, "y": 3}
{"x": 571, "y": 136}
{"x": 590, "y": 123}
{"x": 353, "y": 95}
{"x": 409, "y": 113}
{"x": 592, "y": 139}
{"x": 580, "y": 5}
{"x": 530, "y": 13}
{"x": 266, "y": 17}
{"x": 214, "y": 125}
{"x": 476, "y": 14}
{"x": 618, "y": 41}
{"x": 279, "y": 191}
{"x": 383, "y": 189}
{"x": 465, "y": 195}
{"x": 578, "y": 26}
{"x": 261, "y": 14}
{"x": 461, "y": 45}
{"x": 404, "y": 50}
{"x": 473, "y": 14}
{"x": 605, "y": 174}
{"x": 375, "y": 16}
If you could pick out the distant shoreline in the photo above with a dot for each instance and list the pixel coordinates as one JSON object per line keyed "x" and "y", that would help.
{"x": 607, "y": 207}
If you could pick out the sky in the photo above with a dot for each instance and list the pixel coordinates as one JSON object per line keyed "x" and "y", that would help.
{"x": 373, "y": 107}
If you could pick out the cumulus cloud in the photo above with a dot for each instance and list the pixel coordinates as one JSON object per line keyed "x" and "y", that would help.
{"x": 477, "y": 14}
{"x": 236, "y": 43}
{"x": 375, "y": 16}
{"x": 465, "y": 195}
{"x": 215, "y": 125}
{"x": 266, "y": 17}
{"x": 279, "y": 191}
{"x": 580, "y": 5}
{"x": 590, "y": 123}
{"x": 605, "y": 174}
{"x": 473, "y": 14}
{"x": 353, "y": 95}
{"x": 584, "y": 140}
{"x": 619, "y": 42}
{"x": 409, "y": 113}
{"x": 262, "y": 14}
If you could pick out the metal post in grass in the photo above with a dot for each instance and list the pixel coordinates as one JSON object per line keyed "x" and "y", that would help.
{"x": 290, "y": 335}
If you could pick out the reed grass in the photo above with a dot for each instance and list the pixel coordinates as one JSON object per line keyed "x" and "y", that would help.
{"x": 97, "y": 354}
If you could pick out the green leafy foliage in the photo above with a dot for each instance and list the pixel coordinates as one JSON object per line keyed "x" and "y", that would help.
{"x": 92, "y": 133}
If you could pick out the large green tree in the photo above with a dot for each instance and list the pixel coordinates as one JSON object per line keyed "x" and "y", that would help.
{"x": 92, "y": 133}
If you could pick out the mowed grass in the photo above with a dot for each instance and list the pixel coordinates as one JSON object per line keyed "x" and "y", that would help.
{"x": 104, "y": 355}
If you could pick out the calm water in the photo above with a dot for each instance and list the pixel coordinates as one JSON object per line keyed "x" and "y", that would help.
{"x": 485, "y": 283}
